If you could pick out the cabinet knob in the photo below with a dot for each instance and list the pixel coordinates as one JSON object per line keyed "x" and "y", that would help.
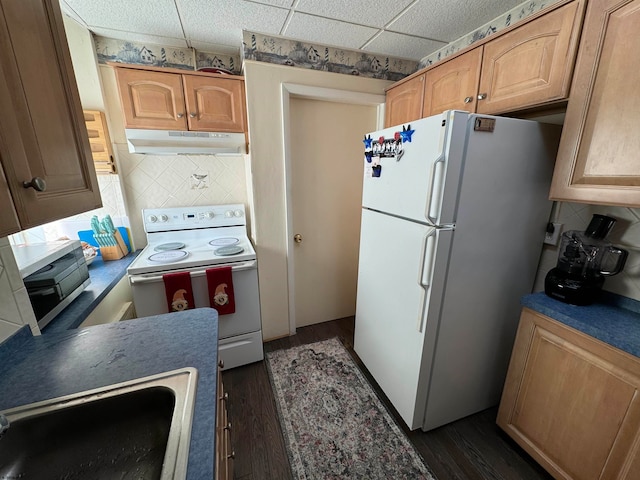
{"x": 482, "y": 96}
{"x": 228, "y": 426}
{"x": 225, "y": 397}
{"x": 232, "y": 455}
{"x": 468, "y": 99}
{"x": 192, "y": 115}
{"x": 221, "y": 363}
{"x": 180, "y": 115}
{"x": 37, "y": 183}
{"x": 297, "y": 238}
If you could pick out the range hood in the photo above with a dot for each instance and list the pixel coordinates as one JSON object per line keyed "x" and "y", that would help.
{"x": 172, "y": 142}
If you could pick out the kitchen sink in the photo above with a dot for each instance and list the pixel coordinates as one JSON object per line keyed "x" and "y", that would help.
{"x": 139, "y": 429}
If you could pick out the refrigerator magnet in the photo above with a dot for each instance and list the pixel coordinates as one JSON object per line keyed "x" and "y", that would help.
{"x": 368, "y": 156}
{"x": 376, "y": 170}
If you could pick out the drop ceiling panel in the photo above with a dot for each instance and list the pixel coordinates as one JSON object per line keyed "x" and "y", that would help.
{"x": 323, "y": 30}
{"x": 448, "y": 20}
{"x": 402, "y": 28}
{"x": 398, "y": 45}
{"x": 159, "y": 17}
{"x": 222, "y": 21}
{"x": 277, "y": 3}
{"x": 374, "y": 13}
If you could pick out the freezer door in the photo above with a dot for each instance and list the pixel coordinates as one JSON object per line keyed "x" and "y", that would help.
{"x": 397, "y": 266}
{"x": 412, "y": 185}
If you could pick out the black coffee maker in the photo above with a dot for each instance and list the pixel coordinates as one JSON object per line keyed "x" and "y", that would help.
{"x": 584, "y": 260}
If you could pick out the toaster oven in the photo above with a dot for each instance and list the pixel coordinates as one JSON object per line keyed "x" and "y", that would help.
{"x": 54, "y": 274}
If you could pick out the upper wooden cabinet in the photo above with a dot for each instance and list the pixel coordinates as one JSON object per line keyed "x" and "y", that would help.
{"x": 572, "y": 402}
{"x": 528, "y": 65}
{"x": 42, "y": 130}
{"x": 165, "y": 100}
{"x": 453, "y": 85}
{"x": 598, "y": 155}
{"x": 404, "y": 102}
{"x": 153, "y": 100}
{"x": 214, "y": 104}
{"x": 532, "y": 64}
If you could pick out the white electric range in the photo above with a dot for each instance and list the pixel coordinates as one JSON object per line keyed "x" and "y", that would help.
{"x": 193, "y": 239}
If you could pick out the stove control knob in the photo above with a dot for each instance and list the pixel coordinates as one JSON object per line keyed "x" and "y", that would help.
{"x": 238, "y": 213}
{"x": 152, "y": 218}
{"x": 228, "y": 213}
{"x": 164, "y": 218}
{"x": 209, "y": 215}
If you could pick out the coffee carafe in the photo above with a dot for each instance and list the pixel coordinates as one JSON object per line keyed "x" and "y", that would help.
{"x": 584, "y": 260}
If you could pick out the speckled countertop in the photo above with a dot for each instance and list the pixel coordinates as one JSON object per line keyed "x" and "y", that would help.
{"x": 615, "y": 320}
{"x": 104, "y": 276}
{"x": 61, "y": 363}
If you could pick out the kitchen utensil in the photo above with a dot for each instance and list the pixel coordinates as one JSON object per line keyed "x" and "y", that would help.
{"x": 107, "y": 222}
{"x": 95, "y": 224}
{"x": 584, "y": 260}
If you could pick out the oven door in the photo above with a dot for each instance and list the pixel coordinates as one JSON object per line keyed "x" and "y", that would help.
{"x": 149, "y": 297}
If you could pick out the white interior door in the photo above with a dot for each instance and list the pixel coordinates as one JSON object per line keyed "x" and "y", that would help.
{"x": 326, "y": 152}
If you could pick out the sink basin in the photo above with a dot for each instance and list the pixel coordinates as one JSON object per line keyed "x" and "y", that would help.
{"x": 139, "y": 429}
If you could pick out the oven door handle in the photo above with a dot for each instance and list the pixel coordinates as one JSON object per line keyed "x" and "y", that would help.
{"x": 136, "y": 279}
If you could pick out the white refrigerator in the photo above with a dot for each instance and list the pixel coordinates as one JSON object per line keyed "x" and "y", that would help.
{"x": 455, "y": 208}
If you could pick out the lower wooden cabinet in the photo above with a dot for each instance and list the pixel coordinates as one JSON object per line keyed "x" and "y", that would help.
{"x": 224, "y": 453}
{"x": 572, "y": 402}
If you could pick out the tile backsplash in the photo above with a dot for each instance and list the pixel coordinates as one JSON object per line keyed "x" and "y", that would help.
{"x": 15, "y": 308}
{"x": 625, "y": 234}
{"x": 154, "y": 181}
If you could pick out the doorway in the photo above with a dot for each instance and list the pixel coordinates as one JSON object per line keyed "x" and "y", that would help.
{"x": 325, "y": 153}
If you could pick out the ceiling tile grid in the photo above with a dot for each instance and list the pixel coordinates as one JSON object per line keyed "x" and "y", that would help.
{"x": 410, "y": 29}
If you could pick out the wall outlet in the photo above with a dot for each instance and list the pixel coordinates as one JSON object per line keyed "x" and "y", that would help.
{"x": 552, "y": 238}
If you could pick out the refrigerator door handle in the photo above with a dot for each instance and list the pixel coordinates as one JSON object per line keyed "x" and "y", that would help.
{"x": 435, "y": 189}
{"x": 425, "y": 271}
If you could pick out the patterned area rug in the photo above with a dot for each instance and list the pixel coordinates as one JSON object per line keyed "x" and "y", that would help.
{"x": 335, "y": 426}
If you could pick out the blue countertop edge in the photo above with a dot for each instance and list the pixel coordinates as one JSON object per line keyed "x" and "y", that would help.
{"x": 48, "y": 366}
{"x": 104, "y": 276}
{"x": 614, "y": 320}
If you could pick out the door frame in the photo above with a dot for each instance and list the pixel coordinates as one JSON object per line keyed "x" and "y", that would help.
{"x": 290, "y": 90}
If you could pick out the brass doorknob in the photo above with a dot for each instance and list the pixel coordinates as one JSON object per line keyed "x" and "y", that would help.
{"x": 297, "y": 238}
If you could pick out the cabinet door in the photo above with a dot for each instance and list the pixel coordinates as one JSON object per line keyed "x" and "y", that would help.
{"x": 453, "y": 85}
{"x": 598, "y": 156}
{"x": 8, "y": 216}
{"x": 571, "y": 401}
{"x": 404, "y": 102}
{"x": 531, "y": 65}
{"x": 214, "y": 104}
{"x": 152, "y": 100}
{"x": 42, "y": 132}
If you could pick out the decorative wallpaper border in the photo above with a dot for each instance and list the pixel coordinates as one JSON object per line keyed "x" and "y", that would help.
{"x": 505, "y": 20}
{"x": 123, "y": 51}
{"x": 282, "y": 51}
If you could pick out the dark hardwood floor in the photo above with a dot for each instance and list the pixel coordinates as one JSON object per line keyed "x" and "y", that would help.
{"x": 472, "y": 448}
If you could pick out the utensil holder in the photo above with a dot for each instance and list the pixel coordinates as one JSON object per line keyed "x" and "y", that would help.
{"x": 114, "y": 252}
{"x": 111, "y": 253}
